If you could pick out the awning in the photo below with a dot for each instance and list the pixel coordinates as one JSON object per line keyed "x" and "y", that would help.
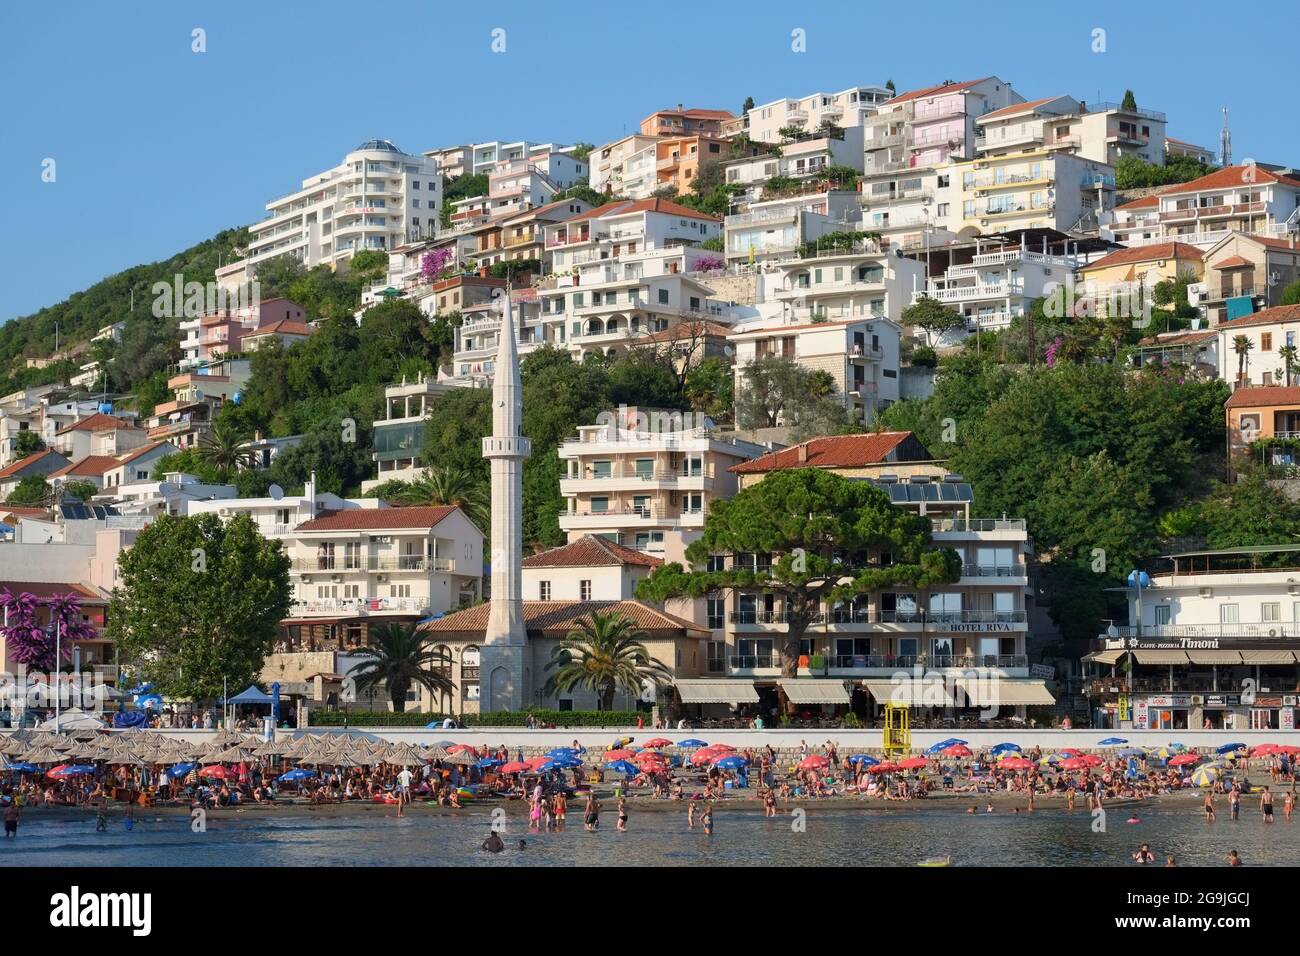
{"x": 813, "y": 691}
{"x": 998, "y": 692}
{"x": 1268, "y": 657}
{"x": 1215, "y": 657}
{"x": 1161, "y": 657}
{"x": 915, "y": 692}
{"x": 716, "y": 691}
{"x": 1109, "y": 658}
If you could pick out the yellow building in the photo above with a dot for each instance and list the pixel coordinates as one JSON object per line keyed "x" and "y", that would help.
{"x": 1131, "y": 274}
{"x": 1039, "y": 189}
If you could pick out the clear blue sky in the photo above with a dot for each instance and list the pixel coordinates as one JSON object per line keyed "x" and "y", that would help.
{"x": 158, "y": 147}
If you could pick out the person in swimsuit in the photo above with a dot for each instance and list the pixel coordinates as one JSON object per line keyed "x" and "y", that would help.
{"x": 707, "y": 820}
{"x": 1234, "y": 858}
{"x": 1234, "y": 802}
{"x": 12, "y": 815}
{"x": 690, "y": 815}
{"x": 1209, "y": 807}
{"x": 1288, "y": 805}
{"x": 592, "y": 821}
{"x": 493, "y": 843}
{"x": 622, "y": 815}
{"x": 1266, "y": 805}
{"x": 1144, "y": 854}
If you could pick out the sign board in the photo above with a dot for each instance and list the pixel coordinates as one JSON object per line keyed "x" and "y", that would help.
{"x": 1281, "y": 640}
{"x": 974, "y": 628}
{"x": 1123, "y": 707}
{"x": 1045, "y": 671}
{"x": 1140, "y": 715}
{"x": 1286, "y": 718}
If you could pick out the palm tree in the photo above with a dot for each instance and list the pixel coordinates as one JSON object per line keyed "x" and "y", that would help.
{"x": 399, "y": 656}
{"x": 223, "y": 447}
{"x": 1242, "y": 346}
{"x": 1288, "y": 356}
{"x": 602, "y": 653}
{"x": 455, "y": 486}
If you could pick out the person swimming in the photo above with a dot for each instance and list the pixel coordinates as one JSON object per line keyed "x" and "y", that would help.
{"x": 493, "y": 843}
{"x": 1144, "y": 854}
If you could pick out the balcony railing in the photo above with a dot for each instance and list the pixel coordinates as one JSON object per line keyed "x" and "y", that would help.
{"x": 908, "y": 661}
{"x": 977, "y": 524}
{"x": 749, "y": 662}
{"x": 851, "y": 616}
{"x": 993, "y": 571}
{"x": 1267, "y": 630}
{"x": 413, "y": 562}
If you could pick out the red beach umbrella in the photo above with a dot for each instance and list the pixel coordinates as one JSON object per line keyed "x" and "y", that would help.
{"x": 956, "y": 750}
{"x": 216, "y": 770}
{"x": 814, "y": 762}
{"x": 1264, "y": 749}
{"x": 459, "y": 748}
{"x": 1092, "y": 760}
{"x": 884, "y": 767}
{"x": 658, "y": 742}
{"x": 514, "y": 766}
{"x": 1070, "y": 751}
{"x": 1182, "y": 760}
{"x": 535, "y": 762}
{"x": 912, "y": 763}
{"x": 620, "y": 754}
{"x": 1016, "y": 763}
{"x": 1073, "y": 763}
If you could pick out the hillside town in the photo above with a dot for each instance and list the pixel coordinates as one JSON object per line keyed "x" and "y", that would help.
{"x": 791, "y": 307}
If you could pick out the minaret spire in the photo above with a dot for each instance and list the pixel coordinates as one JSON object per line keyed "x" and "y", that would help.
{"x": 503, "y": 655}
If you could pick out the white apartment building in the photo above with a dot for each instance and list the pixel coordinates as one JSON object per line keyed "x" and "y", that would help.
{"x": 1269, "y": 332}
{"x": 278, "y": 515}
{"x": 1020, "y": 127}
{"x": 1248, "y": 198}
{"x": 591, "y": 565}
{"x": 846, "y": 109}
{"x": 1211, "y": 640}
{"x": 860, "y": 354}
{"x": 1042, "y": 189}
{"x": 903, "y": 209}
{"x": 1106, "y": 132}
{"x": 863, "y": 282}
{"x": 644, "y": 480}
{"x": 476, "y": 339}
{"x": 998, "y": 282}
{"x": 609, "y": 164}
{"x": 517, "y": 185}
{"x": 481, "y": 158}
{"x": 377, "y": 198}
{"x": 774, "y": 230}
{"x": 399, "y": 435}
{"x": 957, "y": 646}
{"x": 802, "y": 159}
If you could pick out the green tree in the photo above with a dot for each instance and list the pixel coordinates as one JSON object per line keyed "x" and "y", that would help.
{"x": 933, "y": 318}
{"x": 199, "y": 601}
{"x": 1247, "y": 512}
{"x": 449, "y": 485}
{"x": 400, "y": 656}
{"x": 1290, "y": 294}
{"x": 32, "y": 492}
{"x": 1242, "y": 345}
{"x": 1129, "y": 103}
{"x": 27, "y": 443}
{"x": 79, "y": 489}
{"x": 580, "y": 151}
{"x": 711, "y": 388}
{"x": 602, "y": 653}
{"x": 810, "y": 537}
{"x": 776, "y": 391}
{"x": 225, "y": 449}
{"x": 747, "y": 105}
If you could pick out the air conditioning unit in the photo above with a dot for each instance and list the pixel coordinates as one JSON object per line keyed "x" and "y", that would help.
{"x": 306, "y": 579}
{"x": 1288, "y": 700}
{"x": 381, "y": 577}
{"x": 385, "y": 539}
{"x": 335, "y": 578}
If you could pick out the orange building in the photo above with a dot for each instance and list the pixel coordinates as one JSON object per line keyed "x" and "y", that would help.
{"x": 1271, "y": 411}
{"x": 684, "y": 122}
{"x": 678, "y": 159}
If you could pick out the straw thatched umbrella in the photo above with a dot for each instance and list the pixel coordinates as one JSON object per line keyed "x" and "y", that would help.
{"x": 44, "y": 754}
{"x": 404, "y": 755}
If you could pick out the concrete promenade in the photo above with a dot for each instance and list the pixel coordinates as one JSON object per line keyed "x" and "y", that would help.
{"x": 847, "y": 741}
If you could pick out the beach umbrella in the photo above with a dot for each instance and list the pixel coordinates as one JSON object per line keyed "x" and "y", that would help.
{"x": 623, "y": 767}
{"x": 1132, "y": 752}
{"x": 658, "y": 742}
{"x": 1071, "y": 752}
{"x": 1092, "y": 760}
{"x": 514, "y": 766}
{"x": 692, "y": 742}
{"x": 404, "y": 755}
{"x": 814, "y": 762}
{"x": 42, "y": 754}
{"x": 218, "y": 772}
{"x": 1017, "y": 763}
{"x": 466, "y": 758}
{"x": 912, "y": 763}
{"x": 885, "y": 767}
{"x": 1073, "y": 763}
{"x": 621, "y": 742}
{"x": 1112, "y": 742}
{"x": 535, "y": 762}
{"x": 458, "y": 748}
{"x": 956, "y": 750}
{"x": 1004, "y": 748}
{"x": 1175, "y": 745}
{"x": 180, "y": 770}
{"x": 436, "y": 753}
{"x": 297, "y": 775}
{"x": 864, "y": 758}
{"x": 1183, "y": 760}
{"x": 564, "y": 752}
{"x": 732, "y": 763}
{"x": 621, "y": 754}
{"x": 1204, "y": 776}
{"x": 1229, "y": 748}
{"x": 487, "y": 763}
{"x": 23, "y": 768}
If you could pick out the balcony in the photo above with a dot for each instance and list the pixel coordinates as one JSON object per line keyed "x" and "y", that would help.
{"x": 1217, "y": 211}
{"x": 405, "y": 562}
{"x": 358, "y": 607}
{"x": 970, "y": 293}
{"x": 1282, "y": 632}
{"x": 1116, "y": 108}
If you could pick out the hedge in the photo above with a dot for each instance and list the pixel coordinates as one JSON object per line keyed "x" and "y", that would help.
{"x": 547, "y": 718}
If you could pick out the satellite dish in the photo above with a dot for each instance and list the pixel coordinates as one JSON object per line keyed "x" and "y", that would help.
{"x": 276, "y": 492}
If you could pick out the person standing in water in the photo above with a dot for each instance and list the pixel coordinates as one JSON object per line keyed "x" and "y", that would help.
{"x": 1288, "y": 805}
{"x": 1266, "y": 805}
{"x": 1209, "y": 806}
{"x": 622, "y": 815}
{"x": 707, "y": 820}
{"x": 592, "y": 819}
{"x": 13, "y": 813}
{"x": 1234, "y": 802}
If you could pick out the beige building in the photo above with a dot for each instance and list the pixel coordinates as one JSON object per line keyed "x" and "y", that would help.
{"x": 1245, "y": 267}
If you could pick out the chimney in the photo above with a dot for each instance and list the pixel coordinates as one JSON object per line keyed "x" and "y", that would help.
{"x": 803, "y": 453}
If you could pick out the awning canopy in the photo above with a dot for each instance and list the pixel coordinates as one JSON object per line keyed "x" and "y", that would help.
{"x": 1109, "y": 658}
{"x": 1215, "y": 657}
{"x": 1161, "y": 657}
{"x": 1268, "y": 657}
{"x": 716, "y": 691}
{"x": 913, "y": 691}
{"x": 252, "y": 695}
{"x": 813, "y": 691}
{"x": 997, "y": 692}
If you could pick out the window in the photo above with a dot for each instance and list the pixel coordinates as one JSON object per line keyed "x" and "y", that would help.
{"x": 663, "y": 296}
{"x": 600, "y": 506}
{"x": 1270, "y": 613}
{"x": 1163, "y": 614}
{"x": 716, "y": 608}
{"x": 1228, "y": 614}
{"x": 584, "y": 590}
{"x": 543, "y": 590}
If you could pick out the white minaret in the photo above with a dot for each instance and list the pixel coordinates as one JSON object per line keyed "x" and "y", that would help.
{"x": 505, "y": 643}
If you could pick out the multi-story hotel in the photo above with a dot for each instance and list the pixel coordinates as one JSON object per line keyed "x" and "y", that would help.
{"x": 1258, "y": 200}
{"x": 645, "y": 481}
{"x": 1211, "y": 641}
{"x": 799, "y": 159}
{"x": 846, "y": 109}
{"x": 399, "y": 435}
{"x": 377, "y": 198}
{"x": 957, "y": 646}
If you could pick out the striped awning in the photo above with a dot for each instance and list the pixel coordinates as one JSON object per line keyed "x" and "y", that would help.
{"x": 1109, "y": 658}
{"x": 1215, "y": 657}
{"x": 716, "y": 691}
{"x": 813, "y": 691}
{"x": 1161, "y": 657}
{"x": 1268, "y": 657}
{"x": 997, "y": 692}
{"x": 915, "y": 692}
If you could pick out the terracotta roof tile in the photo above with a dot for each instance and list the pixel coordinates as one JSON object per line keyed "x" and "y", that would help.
{"x": 561, "y": 617}
{"x": 144, "y": 449}
{"x": 935, "y": 90}
{"x": 1230, "y": 176}
{"x": 45, "y": 589}
{"x": 283, "y": 327}
{"x": 627, "y": 207}
{"x": 1279, "y": 313}
{"x": 1015, "y": 108}
{"x": 1233, "y": 262}
{"x": 96, "y": 422}
{"x": 590, "y": 551}
{"x": 1157, "y": 250}
{"x": 377, "y": 519}
{"x": 838, "y": 451}
{"x": 15, "y": 467}
{"x": 1264, "y": 395}
{"x": 17, "y": 511}
{"x": 91, "y": 465}
{"x": 1145, "y": 202}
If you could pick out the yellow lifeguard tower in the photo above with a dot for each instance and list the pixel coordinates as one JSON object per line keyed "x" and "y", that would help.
{"x": 898, "y": 729}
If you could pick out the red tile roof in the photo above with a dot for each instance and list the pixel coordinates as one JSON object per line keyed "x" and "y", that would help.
{"x": 1264, "y": 395}
{"x": 1015, "y": 108}
{"x": 283, "y": 327}
{"x": 13, "y": 468}
{"x": 96, "y": 422}
{"x": 91, "y": 465}
{"x": 689, "y": 330}
{"x": 46, "y": 589}
{"x": 1180, "y": 338}
{"x": 1230, "y": 176}
{"x": 1279, "y": 313}
{"x": 695, "y": 113}
{"x": 935, "y": 90}
{"x": 377, "y": 519}
{"x": 590, "y": 551}
{"x": 838, "y": 451}
{"x": 1270, "y": 242}
{"x": 560, "y": 617}
{"x": 144, "y": 449}
{"x": 1233, "y": 262}
{"x": 627, "y": 206}
{"x": 20, "y": 512}
{"x": 1157, "y": 250}
{"x": 1143, "y": 203}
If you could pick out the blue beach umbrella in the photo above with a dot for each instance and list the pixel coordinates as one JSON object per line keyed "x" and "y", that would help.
{"x": 733, "y": 762}
{"x": 867, "y": 759}
{"x": 296, "y": 775}
{"x": 487, "y": 763}
{"x": 999, "y": 749}
{"x": 1132, "y": 752}
{"x": 23, "y": 768}
{"x": 1229, "y": 748}
{"x": 623, "y": 767}
{"x": 692, "y": 742}
{"x": 1112, "y": 742}
{"x": 560, "y": 752}
{"x": 180, "y": 770}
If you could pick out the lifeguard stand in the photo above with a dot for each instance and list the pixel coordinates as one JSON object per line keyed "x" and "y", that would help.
{"x": 898, "y": 729}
